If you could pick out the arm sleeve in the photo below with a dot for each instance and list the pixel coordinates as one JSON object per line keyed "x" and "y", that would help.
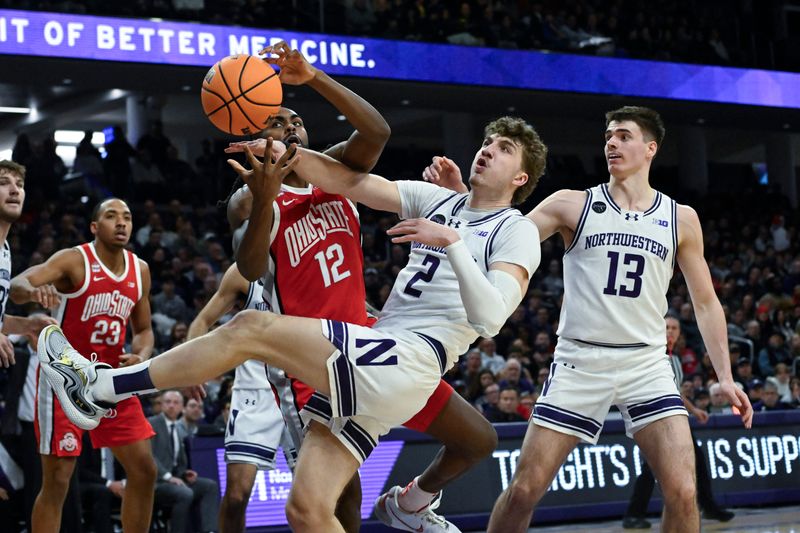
{"x": 491, "y": 298}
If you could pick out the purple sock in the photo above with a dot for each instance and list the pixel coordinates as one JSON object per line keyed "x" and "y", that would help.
{"x": 123, "y": 383}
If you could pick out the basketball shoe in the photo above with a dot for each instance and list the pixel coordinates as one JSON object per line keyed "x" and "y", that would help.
{"x": 425, "y": 520}
{"x": 71, "y": 375}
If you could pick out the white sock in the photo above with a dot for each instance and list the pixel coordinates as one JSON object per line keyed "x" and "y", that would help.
{"x": 413, "y": 499}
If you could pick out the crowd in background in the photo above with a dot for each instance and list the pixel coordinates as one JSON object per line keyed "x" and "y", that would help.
{"x": 719, "y": 32}
{"x": 751, "y": 245}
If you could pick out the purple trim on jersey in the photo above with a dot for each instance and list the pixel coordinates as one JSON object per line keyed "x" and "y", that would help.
{"x": 655, "y": 406}
{"x": 610, "y": 200}
{"x": 336, "y": 334}
{"x": 549, "y": 379}
{"x": 459, "y": 205}
{"x": 674, "y": 233}
{"x": 345, "y": 385}
{"x": 134, "y": 382}
{"x": 656, "y": 204}
{"x": 581, "y": 221}
{"x": 250, "y": 450}
{"x": 487, "y": 218}
{"x": 567, "y": 419}
{"x": 359, "y": 439}
{"x": 319, "y": 405}
{"x": 490, "y": 242}
{"x": 438, "y": 349}
{"x": 440, "y": 204}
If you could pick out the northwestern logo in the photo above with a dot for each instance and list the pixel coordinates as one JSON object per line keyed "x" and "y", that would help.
{"x": 598, "y": 207}
{"x": 438, "y": 218}
{"x": 631, "y": 216}
{"x": 659, "y": 222}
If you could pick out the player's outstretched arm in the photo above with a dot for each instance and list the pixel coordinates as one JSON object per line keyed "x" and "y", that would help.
{"x": 232, "y": 285}
{"x": 708, "y": 310}
{"x": 26, "y": 325}
{"x": 63, "y": 272}
{"x": 558, "y": 213}
{"x": 143, "y": 339}
{"x": 362, "y": 150}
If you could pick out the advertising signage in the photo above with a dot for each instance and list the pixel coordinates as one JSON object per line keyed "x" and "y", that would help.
{"x": 153, "y": 41}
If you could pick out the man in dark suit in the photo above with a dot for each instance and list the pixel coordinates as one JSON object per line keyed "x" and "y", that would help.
{"x": 178, "y": 486}
{"x": 100, "y": 490}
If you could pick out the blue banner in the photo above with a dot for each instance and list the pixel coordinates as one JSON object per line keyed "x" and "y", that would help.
{"x": 183, "y": 43}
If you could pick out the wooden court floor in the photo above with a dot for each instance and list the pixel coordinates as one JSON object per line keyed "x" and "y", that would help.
{"x": 747, "y": 520}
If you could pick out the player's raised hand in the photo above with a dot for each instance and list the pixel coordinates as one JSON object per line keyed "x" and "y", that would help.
{"x": 740, "y": 402}
{"x": 444, "y": 173}
{"x": 295, "y": 69}
{"x": 423, "y": 231}
{"x": 47, "y": 296}
{"x": 6, "y": 352}
{"x": 265, "y": 177}
{"x": 257, "y": 146}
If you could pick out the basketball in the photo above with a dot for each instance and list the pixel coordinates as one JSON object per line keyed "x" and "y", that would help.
{"x": 240, "y": 93}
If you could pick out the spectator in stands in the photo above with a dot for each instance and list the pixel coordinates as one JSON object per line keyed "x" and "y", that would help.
{"x": 506, "y": 409}
{"x": 118, "y": 163}
{"x": 795, "y": 387}
{"x": 770, "y": 401}
{"x": 192, "y": 416}
{"x": 178, "y": 486}
{"x": 487, "y": 402}
{"x": 719, "y": 402}
{"x": 755, "y": 390}
{"x": 702, "y": 399}
{"x": 168, "y": 303}
{"x": 489, "y": 357}
{"x": 511, "y": 376}
{"x": 743, "y": 372}
{"x": 775, "y": 352}
{"x": 781, "y": 379}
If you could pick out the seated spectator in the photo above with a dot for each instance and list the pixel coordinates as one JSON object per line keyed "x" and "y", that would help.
{"x": 168, "y": 303}
{"x": 687, "y": 389}
{"x": 755, "y": 390}
{"x": 506, "y": 409}
{"x": 743, "y": 372}
{"x": 773, "y": 353}
{"x": 178, "y": 486}
{"x": 526, "y": 402}
{"x": 487, "y": 402}
{"x": 489, "y": 357}
{"x": 511, "y": 376}
{"x": 100, "y": 491}
{"x": 770, "y": 400}
{"x": 795, "y": 387}
{"x": 702, "y": 399}
{"x": 781, "y": 380}
{"x": 476, "y": 387}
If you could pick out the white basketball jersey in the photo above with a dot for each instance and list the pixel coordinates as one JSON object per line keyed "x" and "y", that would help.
{"x": 5, "y": 280}
{"x": 252, "y": 374}
{"x": 425, "y": 297}
{"x": 617, "y": 271}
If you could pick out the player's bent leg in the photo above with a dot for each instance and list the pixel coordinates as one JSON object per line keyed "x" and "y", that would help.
{"x": 468, "y": 438}
{"x": 348, "y": 508}
{"x": 238, "y": 486}
{"x": 324, "y": 468}
{"x": 667, "y": 445}
{"x": 140, "y": 468}
{"x": 56, "y": 473}
{"x": 543, "y": 452}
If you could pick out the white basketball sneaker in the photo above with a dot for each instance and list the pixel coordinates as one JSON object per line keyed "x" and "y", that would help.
{"x": 71, "y": 375}
{"x": 390, "y": 513}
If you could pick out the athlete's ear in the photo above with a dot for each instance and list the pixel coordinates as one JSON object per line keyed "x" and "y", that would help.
{"x": 93, "y": 227}
{"x": 521, "y": 179}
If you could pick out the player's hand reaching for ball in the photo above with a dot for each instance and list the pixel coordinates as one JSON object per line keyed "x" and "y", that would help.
{"x": 444, "y": 173}
{"x": 264, "y": 178}
{"x": 295, "y": 69}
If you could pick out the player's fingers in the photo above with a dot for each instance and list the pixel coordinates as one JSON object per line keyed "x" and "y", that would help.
{"x": 404, "y": 238}
{"x": 255, "y": 164}
{"x": 7, "y": 350}
{"x": 238, "y": 168}
{"x": 289, "y": 167}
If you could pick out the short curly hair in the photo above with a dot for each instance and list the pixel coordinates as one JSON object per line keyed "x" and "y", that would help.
{"x": 534, "y": 151}
{"x": 648, "y": 120}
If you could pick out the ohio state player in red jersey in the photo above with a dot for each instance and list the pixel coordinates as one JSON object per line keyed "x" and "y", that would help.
{"x": 316, "y": 270}
{"x": 101, "y": 286}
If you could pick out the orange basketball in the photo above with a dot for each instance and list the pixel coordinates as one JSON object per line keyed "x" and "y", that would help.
{"x": 240, "y": 93}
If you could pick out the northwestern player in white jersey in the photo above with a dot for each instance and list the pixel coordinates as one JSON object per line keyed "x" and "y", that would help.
{"x": 12, "y": 198}
{"x": 255, "y": 427}
{"x": 471, "y": 261}
{"x": 622, "y": 240}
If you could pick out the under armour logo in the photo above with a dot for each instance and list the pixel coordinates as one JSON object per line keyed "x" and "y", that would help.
{"x": 453, "y": 223}
{"x": 633, "y": 216}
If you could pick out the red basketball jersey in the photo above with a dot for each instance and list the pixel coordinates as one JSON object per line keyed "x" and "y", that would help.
{"x": 316, "y": 264}
{"x": 95, "y": 317}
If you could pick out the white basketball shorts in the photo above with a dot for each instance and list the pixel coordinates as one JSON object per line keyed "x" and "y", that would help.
{"x": 255, "y": 429}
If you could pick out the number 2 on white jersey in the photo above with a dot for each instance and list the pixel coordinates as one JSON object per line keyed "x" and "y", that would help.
{"x": 106, "y": 332}
{"x": 330, "y": 273}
